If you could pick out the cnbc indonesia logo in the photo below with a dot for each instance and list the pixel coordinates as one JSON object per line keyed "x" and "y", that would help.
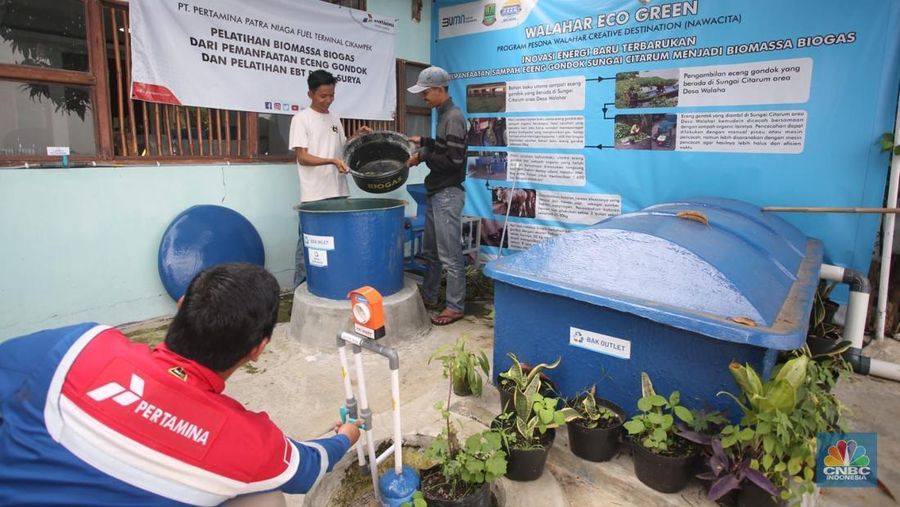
{"x": 846, "y": 461}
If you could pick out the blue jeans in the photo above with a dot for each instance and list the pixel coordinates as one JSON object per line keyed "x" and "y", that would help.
{"x": 442, "y": 247}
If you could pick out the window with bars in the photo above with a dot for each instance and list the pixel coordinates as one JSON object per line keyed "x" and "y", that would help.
{"x": 65, "y": 78}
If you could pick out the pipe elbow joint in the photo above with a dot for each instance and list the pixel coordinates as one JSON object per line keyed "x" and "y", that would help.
{"x": 860, "y": 363}
{"x": 857, "y": 281}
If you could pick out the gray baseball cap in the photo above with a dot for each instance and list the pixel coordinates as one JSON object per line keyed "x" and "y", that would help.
{"x": 430, "y": 78}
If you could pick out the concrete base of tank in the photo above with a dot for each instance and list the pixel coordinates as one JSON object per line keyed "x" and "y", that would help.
{"x": 316, "y": 321}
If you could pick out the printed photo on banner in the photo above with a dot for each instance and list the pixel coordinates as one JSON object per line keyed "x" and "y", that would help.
{"x": 515, "y": 202}
{"x": 646, "y": 131}
{"x": 486, "y": 98}
{"x": 655, "y": 88}
{"x": 492, "y": 233}
{"x": 486, "y": 132}
{"x": 487, "y": 165}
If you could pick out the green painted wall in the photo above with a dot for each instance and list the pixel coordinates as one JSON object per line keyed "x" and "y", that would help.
{"x": 81, "y": 244}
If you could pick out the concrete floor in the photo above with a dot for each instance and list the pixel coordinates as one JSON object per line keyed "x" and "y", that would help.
{"x": 302, "y": 390}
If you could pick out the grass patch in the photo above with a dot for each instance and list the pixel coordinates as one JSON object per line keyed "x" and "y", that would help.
{"x": 149, "y": 336}
{"x": 495, "y": 104}
{"x": 284, "y": 306}
{"x": 249, "y": 368}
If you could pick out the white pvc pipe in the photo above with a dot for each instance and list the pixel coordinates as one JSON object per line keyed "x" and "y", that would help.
{"x": 398, "y": 438}
{"x": 832, "y": 273}
{"x": 348, "y": 394}
{"x": 363, "y": 408}
{"x": 385, "y": 455}
{"x": 887, "y": 237}
{"x": 884, "y": 369}
{"x": 855, "y": 325}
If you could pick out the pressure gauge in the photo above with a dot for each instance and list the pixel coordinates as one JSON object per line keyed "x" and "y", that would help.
{"x": 367, "y": 307}
{"x": 361, "y": 313}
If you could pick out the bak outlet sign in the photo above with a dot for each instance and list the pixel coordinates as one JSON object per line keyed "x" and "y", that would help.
{"x": 601, "y": 343}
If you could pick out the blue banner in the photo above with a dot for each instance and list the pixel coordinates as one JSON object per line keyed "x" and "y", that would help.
{"x": 582, "y": 110}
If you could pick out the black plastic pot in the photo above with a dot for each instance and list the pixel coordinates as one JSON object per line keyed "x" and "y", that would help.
{"x": 461, "y": 387}
{"x": 377, "y": 161}
{"x": 596, "y": 444}
{"x": 528, "y": 464}
{"x": 667, "y": 474}
{"x": 751, "y": 495}
{"x": 820, "y": 345}
{"x": 480, "y": 498}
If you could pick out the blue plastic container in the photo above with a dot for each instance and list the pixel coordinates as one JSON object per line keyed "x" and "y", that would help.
{"x": 397, "y": 489}
{"x": 350, "y": 243}
{"x": 201, "y": 237}
{"x": 661, "y": 293}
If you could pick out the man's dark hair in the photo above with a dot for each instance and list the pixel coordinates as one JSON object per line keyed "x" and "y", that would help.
{"x": 227, "y": 311}
{"x": 319, "y": 78}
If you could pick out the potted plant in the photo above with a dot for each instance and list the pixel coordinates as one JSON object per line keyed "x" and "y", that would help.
{"x": 519, "y": 376}
{"x": 823, "y": 335}
{"x": 463, "y": 471}
{"x": 594, "y": 434}
{"x": 462, "y": 367}
{"x": 662, "y": 459}
{"x": 528, "y": 432}
{"x": 732, "y": 468}
{"x": 780, "y": 421}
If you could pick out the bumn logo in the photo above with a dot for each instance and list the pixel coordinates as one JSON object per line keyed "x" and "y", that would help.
{"x": 118, "y": 393}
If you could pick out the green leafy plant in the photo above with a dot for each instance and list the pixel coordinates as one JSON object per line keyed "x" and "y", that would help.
{"x": 535, "y": 414}
{"x": 462, "y": 367}
{"x": 418, "y": 500}
{"x": 819, "y": 324}
{"x": 887, "y": 143}
{"x": 590, "y": 413}
{"x": 654, "y": 427}
{"x": 464, "y": 468}
{"x": 777, "y": 432}
{"x": 521, "y": 377}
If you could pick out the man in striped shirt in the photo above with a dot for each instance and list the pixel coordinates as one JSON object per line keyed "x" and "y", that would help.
{"x": 445, "y": 156}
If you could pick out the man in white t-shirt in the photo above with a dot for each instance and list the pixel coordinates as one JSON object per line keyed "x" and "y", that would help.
{"x": 317, "y": 137}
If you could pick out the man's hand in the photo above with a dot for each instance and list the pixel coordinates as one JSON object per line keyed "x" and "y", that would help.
{"x": 363, "y": 130}
{"x": 341, "y": 166}
{"x": 417, "y": 140}
{"x": 351, "y": 429}
{"x": 413, "y": 160}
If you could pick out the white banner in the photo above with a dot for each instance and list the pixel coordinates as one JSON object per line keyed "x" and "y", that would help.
{"x": 255, "y": 56}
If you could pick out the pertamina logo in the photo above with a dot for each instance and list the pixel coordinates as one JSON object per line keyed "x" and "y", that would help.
{"x": 163, "y": 418}
{"x": 846, "y": 461}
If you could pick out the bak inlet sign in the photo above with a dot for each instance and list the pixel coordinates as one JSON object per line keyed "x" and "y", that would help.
{"x": 256, "y": 56}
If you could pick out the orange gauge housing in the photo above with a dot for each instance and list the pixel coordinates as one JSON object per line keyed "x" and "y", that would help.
{"x": 368, "y": 312}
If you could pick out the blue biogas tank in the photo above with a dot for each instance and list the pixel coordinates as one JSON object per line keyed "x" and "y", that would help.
{"x": 350, "y": 243}
{"x": 677, "y": 290}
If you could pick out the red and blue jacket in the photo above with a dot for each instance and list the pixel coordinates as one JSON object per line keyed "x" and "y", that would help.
{"x": 89, "y": 418}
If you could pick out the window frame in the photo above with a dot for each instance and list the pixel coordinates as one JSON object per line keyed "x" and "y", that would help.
{"x": 96, "y": 79}
{"x": 402, "y": 108}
